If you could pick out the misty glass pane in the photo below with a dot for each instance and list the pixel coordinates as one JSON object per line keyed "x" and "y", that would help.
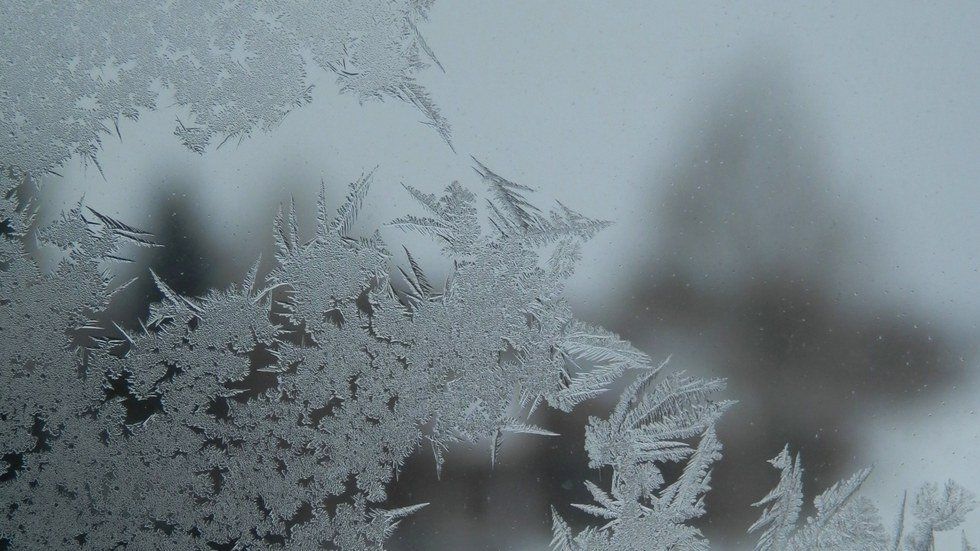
{"x": 352, "y": 275}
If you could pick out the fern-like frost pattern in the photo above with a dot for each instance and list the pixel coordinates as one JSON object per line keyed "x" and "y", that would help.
{"x": 845, "y": 521}
{"x": 276, "y": 413}
{"x": 72, "y": 70}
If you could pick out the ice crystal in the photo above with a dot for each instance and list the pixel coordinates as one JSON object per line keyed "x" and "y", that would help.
{"x": 844, "y": 521}
{"x": 44, "y": 313}
{"x": 938, "y": 511}
{"x": 277, "y": 414}
{"x": 650, "y": 427}
{"x": 71, "y": 70}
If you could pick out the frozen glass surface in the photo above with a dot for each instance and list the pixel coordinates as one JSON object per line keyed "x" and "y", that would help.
{"x": 698, "y": 276}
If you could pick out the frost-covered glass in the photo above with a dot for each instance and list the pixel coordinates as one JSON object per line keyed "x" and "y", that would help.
{"x": 638, "y": 297}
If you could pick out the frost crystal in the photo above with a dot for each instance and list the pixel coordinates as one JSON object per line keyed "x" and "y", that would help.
{"x": 45, "y": 315}
{"x": 277, "y": 414}
{"x": 70, "y": 70}
{"x": 846, "y": 522}
{"x": 650, "y": 427}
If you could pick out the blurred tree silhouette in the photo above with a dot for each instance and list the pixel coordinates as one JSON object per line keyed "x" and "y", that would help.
{"x": 749, "y": 280}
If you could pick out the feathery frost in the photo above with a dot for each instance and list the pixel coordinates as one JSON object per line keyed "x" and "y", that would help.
{"x": 69, "y": 71}
{"x": 277, "y": 411}
{"x": 847, "y": 522}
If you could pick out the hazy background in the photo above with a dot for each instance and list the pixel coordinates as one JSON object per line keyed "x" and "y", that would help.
{"x": 795, "y": 190}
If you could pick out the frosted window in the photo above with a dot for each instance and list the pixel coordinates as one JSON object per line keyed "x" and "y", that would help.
{"x": 247, "y": 304}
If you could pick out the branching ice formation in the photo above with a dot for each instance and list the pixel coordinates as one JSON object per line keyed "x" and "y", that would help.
{"x": 844, "y": 521}
{"x": 648, "y": 429}
{"x": 69, "y": 71}
{"x": 275, "y": 413}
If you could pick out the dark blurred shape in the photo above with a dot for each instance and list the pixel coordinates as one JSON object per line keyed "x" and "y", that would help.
{"x": 187, "y": 259}
{"x": 749, "y": 280}
{"x": 476, "y": 507}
